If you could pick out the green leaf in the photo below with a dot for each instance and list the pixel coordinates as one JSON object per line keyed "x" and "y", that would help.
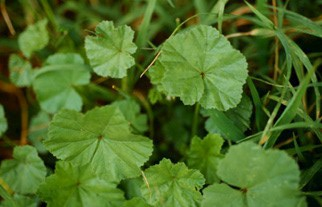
{"x": 19, "y": 201}
{"x": 201, "y": 66}
{"x": 55, "y": 84}
{"x": 109, "y": 52}
{"x": 131, "y": 111}
{"x": 137, "y": 202}
{"x": 204, "y": 155}
{"x": 25, "y": 172}
{"x": 230, "y": 124}
{"x": 3, "y": 121}
{"x": 78, "y": 186}
{"x": 34, "y": 38}
{"x": 20, "y": 71}
{"x": 172, "y": 185}
{"x": 254, "y": 176}
{"x": 38, "y": 130}
{"x": 100, "y": 137}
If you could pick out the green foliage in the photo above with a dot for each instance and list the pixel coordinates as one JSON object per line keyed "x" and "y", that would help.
{"x": 110, "y": 50}
{"x": 34, "y": 38}
{"x": 204, "y": 155}
{"x": 78, "y": 186}
{"x": 260, "y": 181}
{"x": 169, "y": 184}
{"x": 3, "y": 121}
{"x": 20, "y": 71}
{"x": 230, "y": 124}
{"x": 201, "y": 66}
{"x": 151, "y": 109}
{"x": 101, "y": 138}
{"x": 25, "y": 172}
{"x": 131, "y": 112}
{"x": 55, "y": 83}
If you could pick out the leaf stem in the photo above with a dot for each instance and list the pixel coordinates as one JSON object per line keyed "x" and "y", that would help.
{"x": 195, "y": 120}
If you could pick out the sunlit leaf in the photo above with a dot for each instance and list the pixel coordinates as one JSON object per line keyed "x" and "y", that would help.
{"x": 78, "y": 186}
{"x": 20, "y": 71}
{"x": 34, "y": 38}
{"x": 100, "y": 137}
{"x": 257, "y": 179}
{"x": 109, "y": 52}
{"x": 25, "y": 171}
{"x": 55, "y": 84}
{"x": 204, "y": 155}
{"x": 201, "y": 66}
{"x": 171, "y": 185}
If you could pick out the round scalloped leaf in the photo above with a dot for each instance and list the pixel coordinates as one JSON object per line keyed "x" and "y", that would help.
{"x": 34, "y": 38}
{"x": 259, "y": 177}
{"x": 26, "y": 164}
{"x": 109, "y": 52}
{"x": 172, "y": 185}
{"x": 204, "y": 155}
{"x": 201, "y": 66}
{"x": 21, "y": 73}
{"x": 3, "y": 121}
{"x": 100, "y": 137}
{"x": 55, "y": 83}
{"x": 78, "y": 186}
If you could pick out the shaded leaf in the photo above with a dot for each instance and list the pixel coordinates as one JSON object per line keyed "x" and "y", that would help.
{"x": 38, "y": 129}
{"x": 172, "y": 185}
{"x": 78, "y": 186}
{"x": 19, "y": 201}
{"x": 55, "y": 84}
{"x": 100, "y": 137}
{"x": 3, "y": 121}
{"x": 200, "y": 65}
{"x": 25, "y": 171}
{"x": 109, "y": 52}
{"x": 131, "y": 111}
{"x": 34, "y": 38}
{"x": 230, "y": 124}
{"x": 260, "y": 180}
{"x": 204, "y": 155}
{"x": 137, "y": 202}
{"x": 20, "y": 71}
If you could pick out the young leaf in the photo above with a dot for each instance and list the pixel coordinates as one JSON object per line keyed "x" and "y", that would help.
{"x": 38, "y": 130}
{"x": 109, "y": 52}
{"x": 25, "y": 172}
{"x": 172, "y": 185}
{"x": 230, "y": 124}
{"x": 100, "y": 137}
{"x": 34, "y": 38}
{"x": 201, "y": 66}
{"x": 259, "y": 178}
{"x": 131, "y": 111}
{"x": 78, "y": 186}
{"x": 3, "y": 121}
{"x": 204, "y": 155}
{"x": 20, "y": 71}
{"x": 55, "y": 83}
